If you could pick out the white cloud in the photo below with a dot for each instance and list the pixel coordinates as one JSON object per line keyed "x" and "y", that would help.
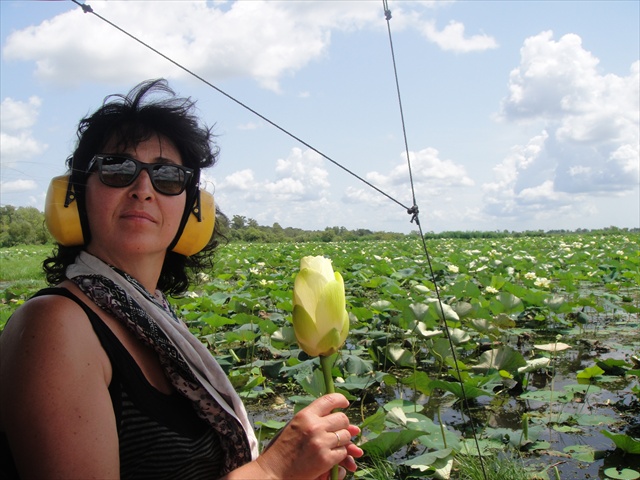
{"x": 306, "y": 166}
{"x": 299, "y": 177}
{"x": 560, "y": 81}
{"x": 250, "y": 126}
{"x": 16, "y": 138}
{"x": 16, "y": 115}
{"x": 591, "y": 131}
{"x": 452, "y": 38}
{"x": 259, "y": 39}
{"x": 240, "y": 181}
{"x": 17, "y": 186}
{"x": 431, "y": 176}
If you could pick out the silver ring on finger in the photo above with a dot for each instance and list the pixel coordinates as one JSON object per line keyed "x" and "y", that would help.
{"x": 337, "y": 438}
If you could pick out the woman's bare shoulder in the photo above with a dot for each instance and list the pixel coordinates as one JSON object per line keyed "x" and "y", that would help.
{"x": 44, "y": 337}
{"x": 46, "y": 330}
{"x": 54, "y": 398}
{"x": 45, "y": 316}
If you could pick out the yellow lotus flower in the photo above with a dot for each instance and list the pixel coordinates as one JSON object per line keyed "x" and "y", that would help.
{"x": 320, "y": 319}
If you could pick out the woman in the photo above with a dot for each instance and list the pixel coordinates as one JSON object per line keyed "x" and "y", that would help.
{"x": 98, "y": 378}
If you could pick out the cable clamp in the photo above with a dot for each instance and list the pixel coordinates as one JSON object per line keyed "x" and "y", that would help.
{"x": 387, "y": 12}
{"x": 413, "y": 211}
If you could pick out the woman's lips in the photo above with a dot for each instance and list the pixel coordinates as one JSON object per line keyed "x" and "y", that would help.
{"x": 138, "y": 215}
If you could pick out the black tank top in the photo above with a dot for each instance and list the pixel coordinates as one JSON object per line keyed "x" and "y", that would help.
{"x": 160, "y": 436}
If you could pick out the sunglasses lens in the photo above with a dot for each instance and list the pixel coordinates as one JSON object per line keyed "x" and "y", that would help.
{"x": 122, "y": 171}
{"x": 169, "y": 179}
{"x": 117, "y": 172}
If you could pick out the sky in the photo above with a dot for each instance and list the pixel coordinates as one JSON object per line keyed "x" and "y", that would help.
{"x": 519, "y": 115}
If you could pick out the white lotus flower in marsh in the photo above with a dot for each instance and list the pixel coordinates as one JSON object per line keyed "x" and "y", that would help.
{"x": 542, "y": 282}
{"x": 320, "y": 319}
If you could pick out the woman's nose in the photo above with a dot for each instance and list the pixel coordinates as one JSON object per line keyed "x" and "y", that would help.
{"x": 142, "y": 188}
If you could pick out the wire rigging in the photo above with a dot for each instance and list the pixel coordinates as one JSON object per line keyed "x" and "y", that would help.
{"x": 415, "y": 212}
{"x": 87, "y": 9}
{"x": 414, "y": 208}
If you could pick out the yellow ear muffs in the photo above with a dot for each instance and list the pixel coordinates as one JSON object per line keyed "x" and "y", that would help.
{"x": 199, "y": 227}
{"x": 63, "y": 219}
{"x": 61, "y": 213}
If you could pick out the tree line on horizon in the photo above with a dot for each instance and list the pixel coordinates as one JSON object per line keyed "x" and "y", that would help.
{"x": 25, "y": 226}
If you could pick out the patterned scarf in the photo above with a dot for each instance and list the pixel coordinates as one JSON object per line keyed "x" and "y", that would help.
{"x": 189, "y": 365}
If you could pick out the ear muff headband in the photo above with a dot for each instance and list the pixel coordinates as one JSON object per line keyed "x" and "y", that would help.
{"x": 63, "y": 219}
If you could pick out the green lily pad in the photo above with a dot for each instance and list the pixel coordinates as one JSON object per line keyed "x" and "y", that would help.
{"x": 539, "y": 445}
{"x": 591, "y": 420}
{"x": 553, "y": 347}
{"x": 427, "y": 460}
{"x": 419, "y": 310}
{"x": 400, "y": 356}
{"x": 624, "y": 442}
{"x": 624, "y": 474}
{"x": 503, "y": 358}
{"x": 406, "y": 406}
{"x": 419, "y": 381}
{"x": 422, "y": 330}
{"x": 470, "y": 391}
{"x": 546, "y": 396}
{"x": 585, "y": 453}
{"x": 443, "y": 311}
{"x": 582, "y": 389}
{"x": 566, "y": 429}
{"x": 388, "y": 443}
{"x": 590, "y": 372}
{"x": 510, "y": 302}
{"x": 459, "y": 336}
{"x": 613, "y": 366}
{"x": 463, "y": 309}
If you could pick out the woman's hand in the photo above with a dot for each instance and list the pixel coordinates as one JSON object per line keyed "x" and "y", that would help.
{"x": 313, "y": 442}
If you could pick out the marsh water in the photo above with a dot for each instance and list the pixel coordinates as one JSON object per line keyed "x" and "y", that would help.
{"x": 568, "y": 431}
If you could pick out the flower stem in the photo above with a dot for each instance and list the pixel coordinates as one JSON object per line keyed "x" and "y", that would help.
{"x": 326, "y": 362}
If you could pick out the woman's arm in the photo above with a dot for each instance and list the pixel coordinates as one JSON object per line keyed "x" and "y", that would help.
{"x": 54, "y": 401}
{"x": 308, "y": 446}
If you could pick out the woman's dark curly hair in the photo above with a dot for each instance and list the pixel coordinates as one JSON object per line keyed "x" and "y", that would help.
{"x": 127, "y": 121}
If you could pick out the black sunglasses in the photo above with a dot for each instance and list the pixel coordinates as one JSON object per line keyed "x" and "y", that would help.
{"x": 121, "y": 171}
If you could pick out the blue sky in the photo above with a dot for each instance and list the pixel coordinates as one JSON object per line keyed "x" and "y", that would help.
{"x": 520, "y": 115}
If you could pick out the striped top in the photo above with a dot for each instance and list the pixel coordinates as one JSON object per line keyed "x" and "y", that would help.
{"x": 160, "y": 436}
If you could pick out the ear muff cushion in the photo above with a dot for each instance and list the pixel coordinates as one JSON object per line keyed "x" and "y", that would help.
{"x": 63, "y": 222}
{"x": 197, "y": 233}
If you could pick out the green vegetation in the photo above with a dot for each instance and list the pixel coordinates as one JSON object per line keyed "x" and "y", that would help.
{"x": 22, "y": 226}
{"x": 25, "y": 226}
{"x": 544, "y": 330}
{"x": 241, "y": 228}
{"x": 21, "y": 275}
{"x": 496, "y": 467}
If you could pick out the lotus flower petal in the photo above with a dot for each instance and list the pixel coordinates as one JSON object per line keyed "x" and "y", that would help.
{"x": 304, "y": 326}
{"x": 328, "y": 344}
